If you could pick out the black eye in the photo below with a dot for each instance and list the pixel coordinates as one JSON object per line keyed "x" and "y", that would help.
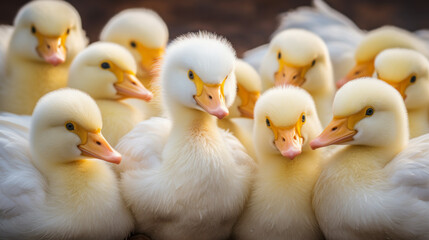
{"x": 267, "y": 122}
{"x": 279, "y": 55}
{"x": 133, "y": 44}
{"x": 68, "y": 31}
{"x": 413, "y": 79}
{"x": 105, "y": 65}
{"x": 33, "y": 29}
{"x": 313, "y": 62}
{"x": 303, "y": 118}
{"x": 70, "y": 126}
{"x": 369, "y": 112}
{"x": 191, "y": 75}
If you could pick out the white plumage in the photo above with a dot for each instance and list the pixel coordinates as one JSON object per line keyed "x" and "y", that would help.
{"x": 190, "y": 178}
{"x": 48, "y": 188}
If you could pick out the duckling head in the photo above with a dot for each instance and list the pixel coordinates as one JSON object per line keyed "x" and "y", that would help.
{"x": 198, "y": 73}
{"x": 285, "y": 122}
{"x": 66, "y": 127}
{"x": 49, "y": 31}
{"x": 142, "y": 32}
{"x": 106, "y": 71}
{"x": 375, "y": 42}
{"x": 248, "y": 90}
{"x": 407, "y": 71}
{"x": 299, "y": 58}
{"x": 366, "y": 112}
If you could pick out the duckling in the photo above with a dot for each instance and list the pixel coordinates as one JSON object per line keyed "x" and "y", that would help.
{"x": 145, "y": 35}
{"x": 240, "y": 118}
{"x": 300, "y": 58}
{"x": 47, "y": 36}
{"x": 53, "y": 184}
{"x": 187, "y": 177}
{"x": 376, "y": 187}
{"x": 408, "y": 72}
{"x": 106, "y": 71}
{"x": 280, "y": 203}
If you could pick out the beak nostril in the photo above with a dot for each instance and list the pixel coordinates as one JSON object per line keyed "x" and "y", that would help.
{"x": 133, "y": 83}
{"x": 210, "y": 97}
{"x": 98, "y": 143}
{"x": 48, "y": 46}
{"x": 283, "y": 139}
{"x": 334, "y": 128}
{"x": 294, "y": 77}
{"x": 294, "y": 137}
{"x": 284, "y": 75}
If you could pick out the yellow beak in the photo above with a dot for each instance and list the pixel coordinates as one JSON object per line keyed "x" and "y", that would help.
{"x": 401, "y": 86}
{"x": 290, "y": 75}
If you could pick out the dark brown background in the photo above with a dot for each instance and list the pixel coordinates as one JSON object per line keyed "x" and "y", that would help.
{"x": 246, "y": 24}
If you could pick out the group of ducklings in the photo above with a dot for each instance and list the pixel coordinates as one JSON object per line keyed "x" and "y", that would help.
{"x": 190, "y": 159}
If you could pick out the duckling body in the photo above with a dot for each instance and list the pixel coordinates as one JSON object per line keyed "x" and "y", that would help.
{"x": 30, "y": 69}
{"x": 196, "y": 174}
{"x": 44, "y": 194}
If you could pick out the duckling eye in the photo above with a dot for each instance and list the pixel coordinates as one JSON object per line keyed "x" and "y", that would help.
{"x": 191, "y": 75}
{"x": 105, "y": 65}
{"x": 279, "y": 55}
{"x": 133, "y": 44}
{"x": 268, "y": 122}
{"x": 313, "y": 62}
{"x": 369, "y": 112}
{"x": 303, "y": 118}
{"x": 68, "y": 31}
{"x": 33, "y": 29}
{"x": 70, "y": 126}
{"x": 413, "y": 79}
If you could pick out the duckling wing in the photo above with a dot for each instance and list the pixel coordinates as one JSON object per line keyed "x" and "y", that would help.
{"x": 21, "y": 184}
{"x": 142, "y": 147}
{"x": 410, "y": 170}
{"x": 237, "y": 150}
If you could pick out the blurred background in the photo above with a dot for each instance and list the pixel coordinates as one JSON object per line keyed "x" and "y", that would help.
{"x": 246, "y": 24}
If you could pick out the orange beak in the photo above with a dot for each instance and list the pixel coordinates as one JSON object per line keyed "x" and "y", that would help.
{"x": 401, "y": 86}
{"x": 287, "y": 75}
{"x": 336, "y": 132}
{"x": 212, "y": 100}
{"x": 131, "y": 87}
{"x": 248, "y": 101}
{"x": 52, "y": 49}
{"x": 96, "y": 146}
{"x": 288, "y": 142}
{"x": 363, "y": 69}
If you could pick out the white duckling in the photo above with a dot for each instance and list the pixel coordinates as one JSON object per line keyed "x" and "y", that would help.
{"x": 47, "y": 35}
{"x": 408, "y": 72}
{"x": 280, "y": 205}
{"x": 300, "y": 58}
{"x": 53, "y": 184}
{"x": 189, "y": 177}
{"x": 240, "y": 118}
{"x": 368, "y": 190}
{"x": 106, "y": 71}
{"x": 145, "y": 35}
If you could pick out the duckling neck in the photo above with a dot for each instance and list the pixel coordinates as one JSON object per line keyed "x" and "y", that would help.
{"x": 192, "y": 120}
{"x": 418, "y": 121}
{"x": 71, "y": 184}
